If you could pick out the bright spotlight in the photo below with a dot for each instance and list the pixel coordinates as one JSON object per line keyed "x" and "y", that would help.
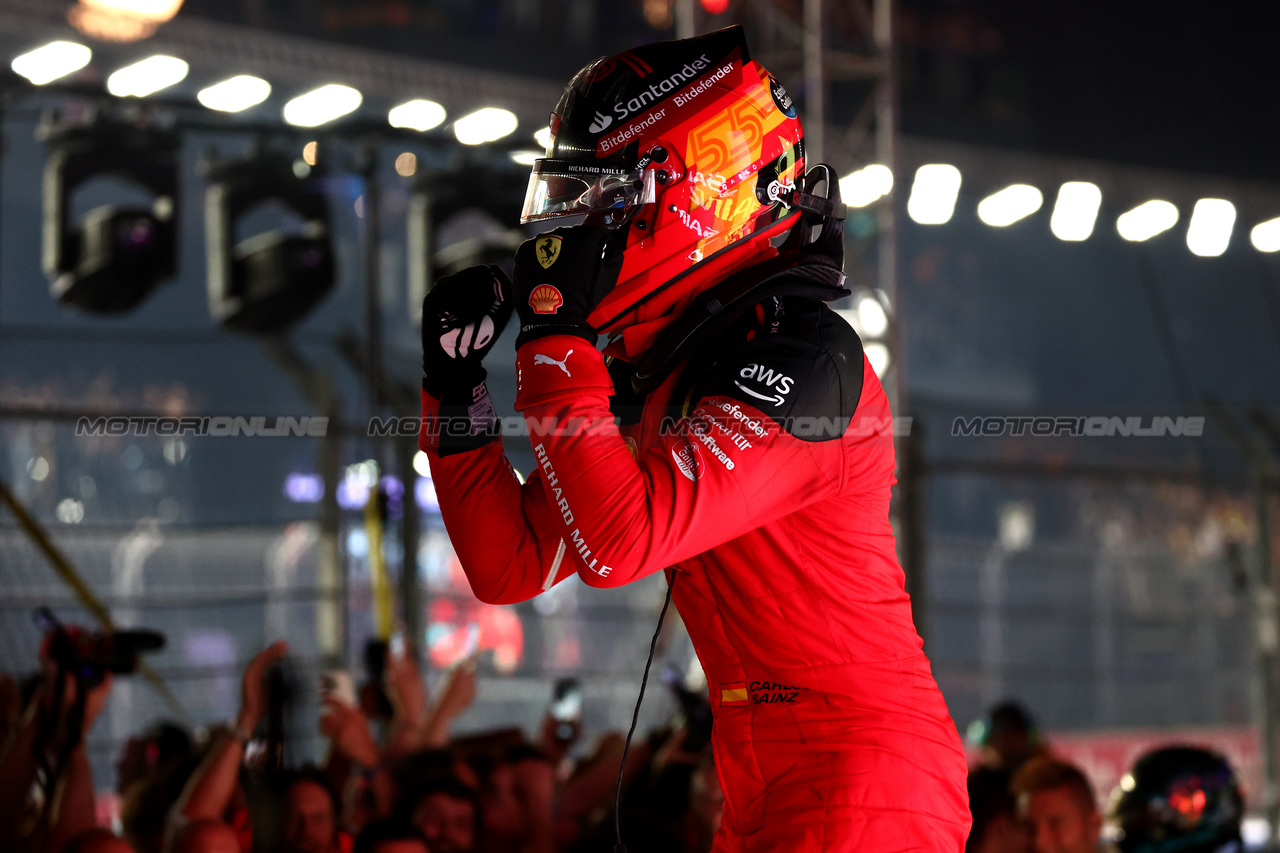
{"x": 235, "y": 94}
{"x": 1075, "y": 211}
{"x": 1265, "y": 236}
{"x": 1147, "y": 220}
{"x": 1210, "y": 230}
{"x": 524, "y": 158}
{"x": 419, "y": 114}
{"x": 151, "y": 10}
{"x": 147, "y": 77}
{"x": 407, "y": 164}
{"x": 866, "y": 185}
{"x": 322, "y": 105}
{"x": 1012, "y": 203}
{"x": 543, "y": 138}
{"x": 56, "y": 59}
{"x": 871, "y": 317}
{"x": 878, "y": 355}
{"x": 486, "y": 125}
{"x": 421, "y": 464}
{"x": 934, "y": 193}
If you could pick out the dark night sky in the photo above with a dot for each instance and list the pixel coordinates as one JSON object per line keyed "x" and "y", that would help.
{"x": 1177, "y": 84}
{"x": 1174, "y": 84}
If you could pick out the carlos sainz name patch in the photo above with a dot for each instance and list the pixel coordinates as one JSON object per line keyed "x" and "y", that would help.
{"x": 744, "y": 693}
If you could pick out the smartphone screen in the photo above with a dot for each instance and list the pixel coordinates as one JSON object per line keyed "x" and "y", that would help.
{"x": 338, "y": 684}
{"x": 566, "y": 701}
{"x": 472, "y": 643}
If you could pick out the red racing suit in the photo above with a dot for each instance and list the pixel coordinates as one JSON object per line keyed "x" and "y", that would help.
{"x": 758, "y": 477}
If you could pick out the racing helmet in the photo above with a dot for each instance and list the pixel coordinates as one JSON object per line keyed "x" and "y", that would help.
{"x": 688, "y": 150}
{"x": 1177, "y": 800}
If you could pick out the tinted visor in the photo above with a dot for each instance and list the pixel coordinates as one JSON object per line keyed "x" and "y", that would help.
{"x": 571, "y": 187}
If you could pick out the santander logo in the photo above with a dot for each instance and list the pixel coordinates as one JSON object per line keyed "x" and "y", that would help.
{"x": 601, "y": 123}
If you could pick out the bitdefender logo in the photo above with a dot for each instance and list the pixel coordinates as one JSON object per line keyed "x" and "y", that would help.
{"x": 601, "y": 124}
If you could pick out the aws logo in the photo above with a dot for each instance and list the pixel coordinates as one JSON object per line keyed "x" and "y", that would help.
{"x": 776, "y": 385}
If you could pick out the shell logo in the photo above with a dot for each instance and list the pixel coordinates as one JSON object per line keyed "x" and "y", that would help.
{"x": 545, "y": 299}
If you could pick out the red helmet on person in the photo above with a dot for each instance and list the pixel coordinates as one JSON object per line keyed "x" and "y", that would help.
{"x": 688, "y": 149}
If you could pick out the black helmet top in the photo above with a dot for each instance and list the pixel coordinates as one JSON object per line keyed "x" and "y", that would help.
{"x": 1178, "y": 800}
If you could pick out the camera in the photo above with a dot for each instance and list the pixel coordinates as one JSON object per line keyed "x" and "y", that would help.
{"x": 90, "y": 655}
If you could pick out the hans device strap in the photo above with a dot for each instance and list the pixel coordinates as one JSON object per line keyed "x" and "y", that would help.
{"x": 810, "y": 275}
{"x": 809, "y": 266}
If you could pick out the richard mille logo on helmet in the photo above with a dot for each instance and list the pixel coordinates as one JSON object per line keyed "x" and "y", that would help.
{"x": 601, "y": 123}
{"x": 545, "y": 299}
{"x": 548, "y": 249}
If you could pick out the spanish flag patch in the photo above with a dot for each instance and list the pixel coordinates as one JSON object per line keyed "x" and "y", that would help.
{"x": 734, "y": 694}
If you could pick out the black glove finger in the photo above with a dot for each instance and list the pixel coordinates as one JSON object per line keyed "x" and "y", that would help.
{"x": 503, "y": 299}
{"x": 464, "y": 300}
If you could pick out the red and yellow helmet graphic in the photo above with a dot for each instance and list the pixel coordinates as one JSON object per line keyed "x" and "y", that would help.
{"x": 689, "y": 148}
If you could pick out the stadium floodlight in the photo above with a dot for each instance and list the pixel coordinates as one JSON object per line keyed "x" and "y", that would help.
{"x": 265, "y": 282}
{"x": 1147, "y": 220}
{"x": 524, "y": 158}
{"x": 872, "y": 319}
{"x": 147, "y": 76}
{"x": 486, "y": 125}
{"x": 866, "y": 185}
{"x": 111, "y": 258}
{"x": 878, "y": 355}
{"x": 121, "y": 20}
{"x": 1075, "y": 211}
{"x": 1265, "y": 236}
{"x": 55, "y": 60}
{"x": 323, "y": 105}
{"x": 1014, "y": 202}
{"x": 934, "y": 193}
{"x": 543, "y": 138}
{"x": 235, "y": 94}
{"x": 152, "y": 10}
{"x": 1212, "y": 220}
{"x": 419, "y": 114}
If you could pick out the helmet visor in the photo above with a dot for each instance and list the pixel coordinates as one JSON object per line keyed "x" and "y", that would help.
{"x": 571, "y": 187}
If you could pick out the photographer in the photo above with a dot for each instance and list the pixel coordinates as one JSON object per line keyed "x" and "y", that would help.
{"x": 46, "y": 789}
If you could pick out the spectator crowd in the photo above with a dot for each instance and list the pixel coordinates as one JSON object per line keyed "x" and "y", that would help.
{"x": 395, "y": 779}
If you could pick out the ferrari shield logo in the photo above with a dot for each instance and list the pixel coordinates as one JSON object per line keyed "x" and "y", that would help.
{"x": 548, "y": 250}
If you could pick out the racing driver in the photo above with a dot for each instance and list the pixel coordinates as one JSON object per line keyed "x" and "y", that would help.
{"x": 731, "y": 434}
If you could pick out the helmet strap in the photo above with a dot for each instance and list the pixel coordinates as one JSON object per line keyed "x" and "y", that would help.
{"x": 807, "y": 273}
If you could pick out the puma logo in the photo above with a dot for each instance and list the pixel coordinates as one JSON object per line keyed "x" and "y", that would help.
{"x": 539, "y": 358}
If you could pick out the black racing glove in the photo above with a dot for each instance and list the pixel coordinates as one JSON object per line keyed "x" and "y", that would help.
{"x": 462, "y": 317}
{"x": 560, "y": 278}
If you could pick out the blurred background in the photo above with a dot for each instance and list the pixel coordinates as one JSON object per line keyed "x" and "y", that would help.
{"x": 233, "y": 208}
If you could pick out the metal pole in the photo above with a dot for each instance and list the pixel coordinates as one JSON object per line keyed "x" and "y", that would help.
{"x": 373, "y": 283}
{"x": 1268, "y": 639}
{"x": 1265, "y": 618}
{"x": 685, "y": 27}
{"x": 887, "y": 215}
{"x": 814, "y": 82}
{"x": 410, "y": 527}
